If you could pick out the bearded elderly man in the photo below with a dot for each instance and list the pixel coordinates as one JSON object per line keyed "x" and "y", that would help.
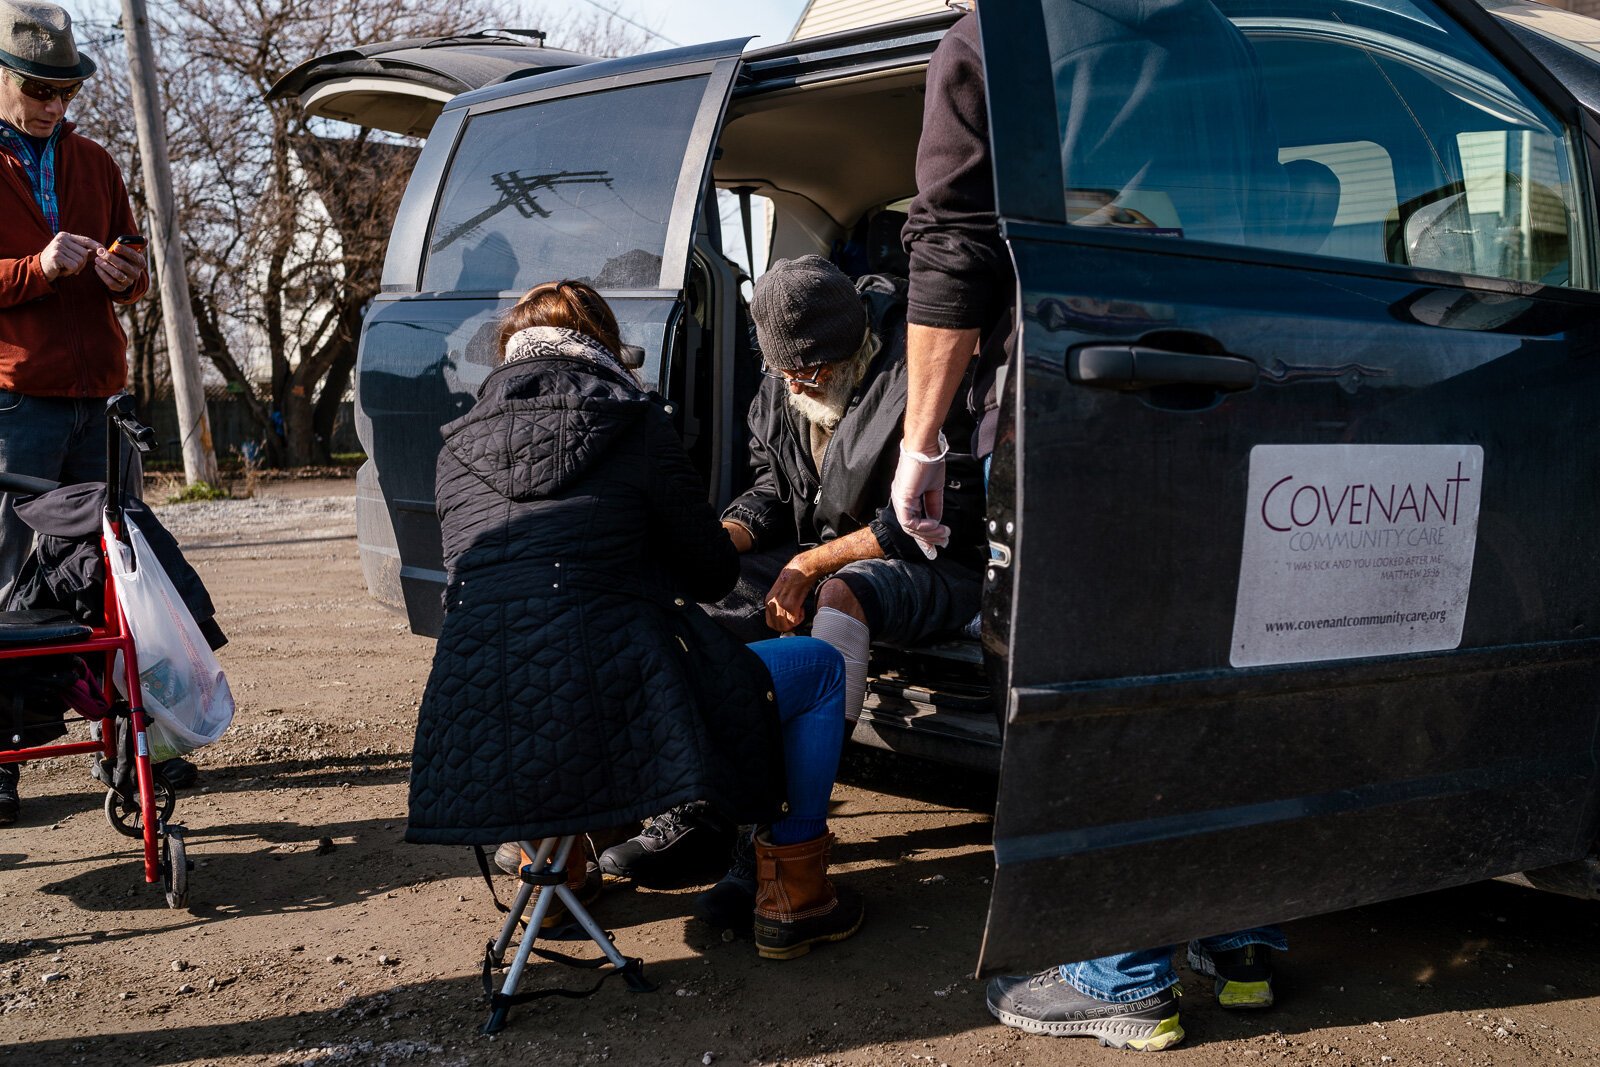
{"x": 818, "y": 539}
{"x": 820, "y": 542}
{"x": 62, "y": 351}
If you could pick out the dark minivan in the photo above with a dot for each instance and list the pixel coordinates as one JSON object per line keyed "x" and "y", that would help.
{"x": 1295, "y": 563}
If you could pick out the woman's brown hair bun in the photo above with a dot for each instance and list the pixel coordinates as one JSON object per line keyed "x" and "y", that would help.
{"x": 567, "y": 305}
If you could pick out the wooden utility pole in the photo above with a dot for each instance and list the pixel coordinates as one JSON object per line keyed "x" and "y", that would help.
{"x": 166, "y": 246}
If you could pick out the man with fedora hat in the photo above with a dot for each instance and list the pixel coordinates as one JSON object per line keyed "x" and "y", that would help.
{"x": 62, "y": 273}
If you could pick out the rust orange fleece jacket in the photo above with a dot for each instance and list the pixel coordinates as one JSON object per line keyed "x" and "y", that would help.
{"x": 62, "y": 338}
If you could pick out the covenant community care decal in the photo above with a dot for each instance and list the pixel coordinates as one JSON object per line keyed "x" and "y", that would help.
{"x": 1355, "y": 550}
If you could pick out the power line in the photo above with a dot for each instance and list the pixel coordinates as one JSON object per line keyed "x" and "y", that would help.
{"x": 636, "y": 25}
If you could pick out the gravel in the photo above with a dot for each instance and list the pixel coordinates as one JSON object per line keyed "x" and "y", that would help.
{"x": 211, "y": 518}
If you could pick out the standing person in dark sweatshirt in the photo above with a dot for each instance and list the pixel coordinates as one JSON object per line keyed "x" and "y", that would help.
{"x": 959, "y": 303}
{"x": 62, "y": 351}
{"x": 961, "y": 306}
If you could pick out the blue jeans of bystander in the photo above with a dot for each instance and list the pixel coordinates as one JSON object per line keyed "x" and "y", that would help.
{"x": 1130, "y": 976}
{"x": 59, "y": 438}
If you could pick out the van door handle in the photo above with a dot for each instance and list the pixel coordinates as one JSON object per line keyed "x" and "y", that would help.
{"x": 1130, "y": 368}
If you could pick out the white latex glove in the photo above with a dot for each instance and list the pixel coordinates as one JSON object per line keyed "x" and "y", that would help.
{"x": 917, "y": 494}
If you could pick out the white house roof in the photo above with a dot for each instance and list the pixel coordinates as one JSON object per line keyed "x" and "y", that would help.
{"x": 832, "y": 16}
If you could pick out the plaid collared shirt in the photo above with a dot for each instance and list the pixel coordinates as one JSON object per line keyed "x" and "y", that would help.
{"x": 40, "y": 165}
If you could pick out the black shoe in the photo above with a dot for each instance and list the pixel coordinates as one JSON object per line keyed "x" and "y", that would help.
{"x": 1243, "y": 975}
{"x": 179, "y": 772}
{"x": 686, "y": 845}
{"x": 731, "y": 903}
{"x": 1045, "y": 1003}
{"x": 9, "y": 801}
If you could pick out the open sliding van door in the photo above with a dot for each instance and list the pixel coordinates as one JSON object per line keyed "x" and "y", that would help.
{"x": 596, "y": 173}
{"x": 1300, "y": 566}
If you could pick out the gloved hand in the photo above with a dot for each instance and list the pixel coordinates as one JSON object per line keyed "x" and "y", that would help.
{"x": 917, "y": 494}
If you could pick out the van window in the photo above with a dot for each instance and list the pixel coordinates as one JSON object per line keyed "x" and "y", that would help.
{"x": 578, "y": 187}
{"x": 1360, "y": 130}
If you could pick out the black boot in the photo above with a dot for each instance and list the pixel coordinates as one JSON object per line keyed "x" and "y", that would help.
{"x": 686, "y": 845}
{"x": 731, "y": 903}
{"x": 9, "y": 802}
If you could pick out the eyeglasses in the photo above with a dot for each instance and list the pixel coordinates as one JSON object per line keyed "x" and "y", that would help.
{"x": 811, "y": 381}
{"x": 44, "y": 92}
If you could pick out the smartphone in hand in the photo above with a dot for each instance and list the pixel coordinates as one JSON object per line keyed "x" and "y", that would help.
{"x": 132, "y": 240}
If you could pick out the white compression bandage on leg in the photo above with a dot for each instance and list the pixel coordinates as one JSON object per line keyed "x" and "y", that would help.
{"x": 852, "y": 638}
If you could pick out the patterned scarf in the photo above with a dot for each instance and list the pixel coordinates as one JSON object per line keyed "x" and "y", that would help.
{"x": 40, "y": 163}
{"x": 544, "y": 341}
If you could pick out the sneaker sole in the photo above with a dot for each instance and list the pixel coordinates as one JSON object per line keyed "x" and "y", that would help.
{"x": 1235, "y": 996}
{"x": 789, "y": 952}
{"x": 1141, "y": 1037}
{"x": 1244, "y": 996}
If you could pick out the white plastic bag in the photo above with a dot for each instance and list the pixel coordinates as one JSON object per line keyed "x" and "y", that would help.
{"x": 186, "y": 695}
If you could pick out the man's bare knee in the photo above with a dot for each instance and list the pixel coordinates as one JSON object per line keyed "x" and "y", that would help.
{"x": 836, "y": 594}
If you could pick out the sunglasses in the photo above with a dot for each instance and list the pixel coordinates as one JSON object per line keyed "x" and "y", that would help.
{"x": 44, "y": 92}
{"x": 811, "y": 381}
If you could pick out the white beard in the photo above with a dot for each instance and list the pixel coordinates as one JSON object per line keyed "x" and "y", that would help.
{"x": 824, "y": 411}
{"x": 828, "y": 409}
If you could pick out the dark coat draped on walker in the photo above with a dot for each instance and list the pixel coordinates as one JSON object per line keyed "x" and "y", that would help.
{"x": 576, "y": 684}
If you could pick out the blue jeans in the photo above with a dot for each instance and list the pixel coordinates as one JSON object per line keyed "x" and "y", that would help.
{"x": 1129, "y": 976}
{"x": 59, "y": 438}
{"x": 808, "y": 682}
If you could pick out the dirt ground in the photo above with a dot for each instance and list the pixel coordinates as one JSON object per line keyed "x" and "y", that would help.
{"x": 367, "y": 953}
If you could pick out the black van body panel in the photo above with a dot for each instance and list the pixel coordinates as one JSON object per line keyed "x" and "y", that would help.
{"x": 1151, "y": 792}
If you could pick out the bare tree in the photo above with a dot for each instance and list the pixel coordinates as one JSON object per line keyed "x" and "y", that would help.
{"x": 285, "y": 219}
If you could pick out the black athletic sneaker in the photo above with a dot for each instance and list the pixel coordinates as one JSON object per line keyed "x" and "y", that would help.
{"x": 1243, "y": 975}
{"x": 9, "y": 801}
{"x": 1045, "y": 1003}
{"x": 685, "y": 845}
{"x": 731, "y": 903}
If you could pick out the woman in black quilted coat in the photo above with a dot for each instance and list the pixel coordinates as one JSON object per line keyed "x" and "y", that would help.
{"x": 576, "y": 682}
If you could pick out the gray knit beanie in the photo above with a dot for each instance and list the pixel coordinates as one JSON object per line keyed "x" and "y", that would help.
{"x": 807, "y": 312}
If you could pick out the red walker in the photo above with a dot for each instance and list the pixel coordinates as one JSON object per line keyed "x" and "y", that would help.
{"x": 143, "y": 811}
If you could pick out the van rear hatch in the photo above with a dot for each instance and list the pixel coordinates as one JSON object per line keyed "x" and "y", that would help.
{"x": 401, "y": 86}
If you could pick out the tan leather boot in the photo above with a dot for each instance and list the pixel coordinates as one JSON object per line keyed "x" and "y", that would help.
{"x": 796, "y": 905}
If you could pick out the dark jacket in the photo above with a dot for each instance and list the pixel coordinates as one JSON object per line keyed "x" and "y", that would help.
{"x": 791, "y": 502}
{"x": 66, "y": 571}
{"x": 960, "y": 273}
{"x": 960, "y": 270}
{"x": 576, "y": 684}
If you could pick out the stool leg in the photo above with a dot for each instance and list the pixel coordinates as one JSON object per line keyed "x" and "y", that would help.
{"x": 542, "y": 858}
{"x": 508, "y": 930}
{"x": 596, "y": 933}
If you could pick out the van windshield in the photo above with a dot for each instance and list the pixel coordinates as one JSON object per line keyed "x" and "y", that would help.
{"x": 578, "y": 187}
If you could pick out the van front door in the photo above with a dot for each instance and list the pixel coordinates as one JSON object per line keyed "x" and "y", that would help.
{"x": 1303, "y": 573}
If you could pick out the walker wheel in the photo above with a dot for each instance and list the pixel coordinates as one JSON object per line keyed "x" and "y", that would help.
{"x": 175, "y": 868}
{"x": 125, "y": 816}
